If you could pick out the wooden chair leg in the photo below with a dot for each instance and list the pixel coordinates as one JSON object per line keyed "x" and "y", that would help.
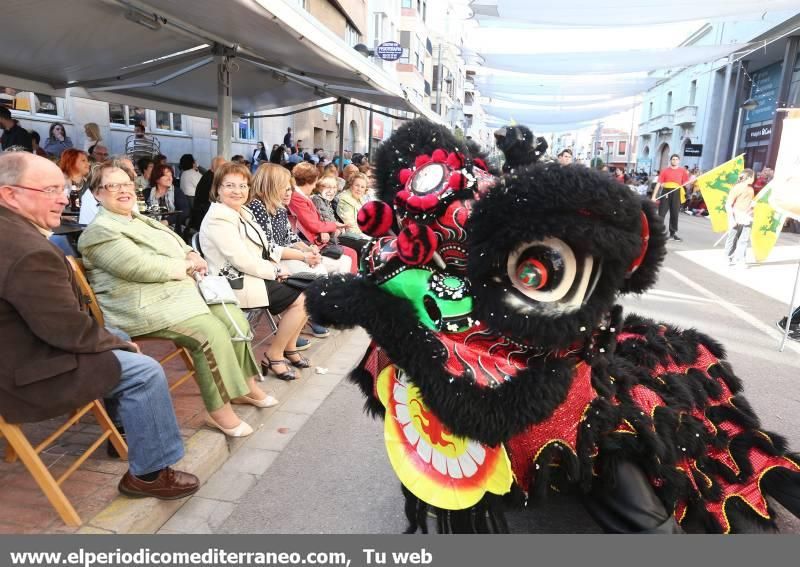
{"x": 41, "y": 475}
{"x": 189, "y": 363}
{"x": 106, "y": 424}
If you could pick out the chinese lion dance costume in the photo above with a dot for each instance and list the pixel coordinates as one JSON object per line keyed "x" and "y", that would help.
{"x": 501, "y": 364}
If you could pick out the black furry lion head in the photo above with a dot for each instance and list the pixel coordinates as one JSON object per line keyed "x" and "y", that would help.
{"x": 551, "y": 248}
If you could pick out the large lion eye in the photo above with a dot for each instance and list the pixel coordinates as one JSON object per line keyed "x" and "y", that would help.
{"x": 543, "y": 270}
{"x": 428, "y": 178}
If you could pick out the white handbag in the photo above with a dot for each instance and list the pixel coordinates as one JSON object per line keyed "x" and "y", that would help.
{"x": 217, "y": 290}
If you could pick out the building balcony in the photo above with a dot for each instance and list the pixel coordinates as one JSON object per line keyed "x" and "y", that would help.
{"x": 662, "y": 122}
{"x": 686, "y": 115}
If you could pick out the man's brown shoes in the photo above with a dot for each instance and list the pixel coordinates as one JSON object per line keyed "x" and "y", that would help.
{"x": 168, "y": 485}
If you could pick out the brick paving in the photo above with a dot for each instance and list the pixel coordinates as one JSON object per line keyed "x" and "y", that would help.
{"x": 24, "y": 508}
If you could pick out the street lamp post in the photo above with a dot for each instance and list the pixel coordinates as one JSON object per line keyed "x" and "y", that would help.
{"x": 749, "y": 104}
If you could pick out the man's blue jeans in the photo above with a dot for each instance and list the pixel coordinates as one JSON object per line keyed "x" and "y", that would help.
{"x": 142, "y": 402}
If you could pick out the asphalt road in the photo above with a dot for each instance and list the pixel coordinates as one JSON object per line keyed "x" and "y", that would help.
{"x": 334, "y": 476}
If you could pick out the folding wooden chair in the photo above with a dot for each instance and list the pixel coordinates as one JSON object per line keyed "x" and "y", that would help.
{"x": 19, "y": 447}
{"x": 89, "y": 299}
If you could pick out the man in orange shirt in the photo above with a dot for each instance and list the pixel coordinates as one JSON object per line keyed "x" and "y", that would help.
{"x": 670, "y": 193}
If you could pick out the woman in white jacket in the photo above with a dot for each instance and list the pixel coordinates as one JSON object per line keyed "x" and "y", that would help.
{"x": 233, "y": 244}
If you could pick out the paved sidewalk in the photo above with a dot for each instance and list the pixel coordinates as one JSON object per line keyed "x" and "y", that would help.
{"x": 93, "y": 488}
{"x": 220, "y": 495}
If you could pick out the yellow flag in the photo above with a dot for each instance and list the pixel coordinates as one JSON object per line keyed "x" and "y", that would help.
{"x": 767, "y": 225}
{"x": 715, "y": 186}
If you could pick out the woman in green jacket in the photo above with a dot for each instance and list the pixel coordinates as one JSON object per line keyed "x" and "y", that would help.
{"x": 142, "y": 274}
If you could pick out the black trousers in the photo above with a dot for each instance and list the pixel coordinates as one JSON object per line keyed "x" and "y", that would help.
{"x": 671, "y": 203}
{"x": 629, "y": 505}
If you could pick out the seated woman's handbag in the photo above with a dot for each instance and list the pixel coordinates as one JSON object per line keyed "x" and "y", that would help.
{"x": 301, "y": 280}
{"x": 332, "y": 251}
{"x": 235, "y": 277}
{"x": 217, "y": 290}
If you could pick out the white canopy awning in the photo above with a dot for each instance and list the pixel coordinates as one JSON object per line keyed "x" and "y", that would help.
{"x": 501, "y": 85}
{"x": 590, "y": 13}
{"x": 607, "y": 62}
{"x": 162, "y": 52}
{"x": 536, "y": 116}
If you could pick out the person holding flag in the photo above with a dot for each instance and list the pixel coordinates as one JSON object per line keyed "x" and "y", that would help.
{"x": 739, "y": 206}
{"x": 670, "y": 191}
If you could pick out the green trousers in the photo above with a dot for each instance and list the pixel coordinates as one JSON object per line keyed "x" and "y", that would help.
{"x": 222, "y": 365}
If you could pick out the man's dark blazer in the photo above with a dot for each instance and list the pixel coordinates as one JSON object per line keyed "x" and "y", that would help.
{"x": 54, "y": 357}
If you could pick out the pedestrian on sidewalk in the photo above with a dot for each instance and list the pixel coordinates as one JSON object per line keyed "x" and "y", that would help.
{"x": 669, "y": 193}
{"x": 739, "y": 207}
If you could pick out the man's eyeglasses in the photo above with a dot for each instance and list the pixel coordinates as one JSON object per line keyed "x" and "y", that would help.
{"x": 232, "y": 186}
{"x": 117, "y": 187}
{"x": 53, "y": 190}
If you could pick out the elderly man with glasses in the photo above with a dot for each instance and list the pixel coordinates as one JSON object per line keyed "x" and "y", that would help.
{"x": 56, "y": 358}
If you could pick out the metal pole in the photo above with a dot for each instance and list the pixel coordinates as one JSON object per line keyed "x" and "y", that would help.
{"x": 791, "y": 309}
{"x": 723, "y": 111}
{"x": 341, "y": 135}
{"x": 224, "y": 107}
{"x": 736, "y": 135}
{"x": 629, "y": 157}
{"x": 369, "y": 136}
{"x": 439, "y": 83}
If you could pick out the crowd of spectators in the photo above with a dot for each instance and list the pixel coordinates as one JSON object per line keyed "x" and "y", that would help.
{"x": 147, "y": 232}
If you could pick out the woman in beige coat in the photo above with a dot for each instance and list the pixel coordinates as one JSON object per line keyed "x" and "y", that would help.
{"x": 233, "y": 244}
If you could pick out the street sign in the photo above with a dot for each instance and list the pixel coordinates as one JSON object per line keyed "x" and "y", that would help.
{"x": 693, "y": 150}
{"x": 389, "y": 51}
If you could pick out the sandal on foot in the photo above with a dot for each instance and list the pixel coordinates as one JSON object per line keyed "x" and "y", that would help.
{"x": 268, "y": 364}
{"x": 302, "y": 363}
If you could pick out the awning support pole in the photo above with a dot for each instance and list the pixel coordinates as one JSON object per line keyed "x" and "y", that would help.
{"x": 369, "y": 136}
{"x": 341, "y": 134}
{"x": 726, "y": 87}
{"x": 224, "y": 105}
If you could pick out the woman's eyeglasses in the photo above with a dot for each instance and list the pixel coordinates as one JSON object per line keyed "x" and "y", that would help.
{"x": 117, "y": 187}
{"x": 232, "y": 186}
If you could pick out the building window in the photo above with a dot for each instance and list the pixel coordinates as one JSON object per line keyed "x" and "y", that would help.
{"x": 244, "y": 128}
{"x": 169, "y": 121}
{"x": 622, "y": 147}
{"x": 125, "y": 115}
{"x": 247, "y": 128}
{"x": 668, "y": 107}
{"x": 405, "y": 42}
{"x": 692, "y": 92}
{"x": 609, "y": 148}
{"x": 650, "y": 110}
{"x": 36, "y": 104}
{"x": 351, "y": 35}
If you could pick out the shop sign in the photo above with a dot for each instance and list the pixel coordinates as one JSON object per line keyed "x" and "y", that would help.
{"x": 693, "y": 150}
{"x": 758, "y": 134}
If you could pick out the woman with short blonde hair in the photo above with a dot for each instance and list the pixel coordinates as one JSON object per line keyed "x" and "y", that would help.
{"x": 351, "y": 200}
